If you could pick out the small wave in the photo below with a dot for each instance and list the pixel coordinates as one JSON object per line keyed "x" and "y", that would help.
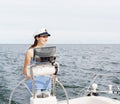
{"x": 94, "y": 69}
{"x": 71, "y": 86}
{"x": 63, "y": 65}
{"x": 115, "y": 63}
{"x": 116, "y": 81}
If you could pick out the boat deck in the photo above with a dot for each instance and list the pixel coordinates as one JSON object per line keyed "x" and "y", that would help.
{"x": 91, "y": 100}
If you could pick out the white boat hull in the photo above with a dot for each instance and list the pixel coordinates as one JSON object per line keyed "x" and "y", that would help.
{"x": 91, "y": 100}
{"x": 47, "y": 100}
{"x": 80, "y": 100}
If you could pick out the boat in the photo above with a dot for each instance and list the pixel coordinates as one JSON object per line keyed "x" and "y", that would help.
{"x": 91, "y": 93}
{"x": 91, "y": 96}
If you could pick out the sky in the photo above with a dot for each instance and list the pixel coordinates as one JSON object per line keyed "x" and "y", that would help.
{"x": 68, "y": 21}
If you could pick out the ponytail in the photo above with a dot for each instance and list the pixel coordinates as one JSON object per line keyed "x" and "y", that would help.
{"x": 33, "y": 45}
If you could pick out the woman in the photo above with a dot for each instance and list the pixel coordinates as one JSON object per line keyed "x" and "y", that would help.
{"x": 42, "y": 83}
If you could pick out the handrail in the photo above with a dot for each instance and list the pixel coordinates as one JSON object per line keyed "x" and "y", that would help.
{"x": 22, "y": 81}
{"x": 85, "y": 89}
{"x": 93, "y": 80}
{"x": 64, "y": 90}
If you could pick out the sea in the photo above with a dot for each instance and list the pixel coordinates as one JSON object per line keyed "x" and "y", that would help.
{"x": 79, "y": 64}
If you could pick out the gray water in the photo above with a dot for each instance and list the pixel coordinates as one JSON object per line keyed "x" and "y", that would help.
{"x": 78, "y": 65}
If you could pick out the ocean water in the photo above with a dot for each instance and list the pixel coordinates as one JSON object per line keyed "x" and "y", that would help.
{"x": 78, "y": 66}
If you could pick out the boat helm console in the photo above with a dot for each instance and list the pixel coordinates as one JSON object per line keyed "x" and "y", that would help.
{"x": 45, "y": 55}
{"x": 43, "y": 62}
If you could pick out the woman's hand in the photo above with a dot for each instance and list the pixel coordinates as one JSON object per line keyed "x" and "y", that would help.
{"x": 53, "y": 77}
{"x": 27, "y": 77}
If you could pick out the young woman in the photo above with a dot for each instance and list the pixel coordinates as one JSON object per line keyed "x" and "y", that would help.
{"x": 41, "y": 82}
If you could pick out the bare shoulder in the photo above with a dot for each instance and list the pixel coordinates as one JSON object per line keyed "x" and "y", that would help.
{"x": 30, "y": 52}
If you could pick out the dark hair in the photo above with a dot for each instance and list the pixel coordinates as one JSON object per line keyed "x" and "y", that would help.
{"x": 35, "y": 43}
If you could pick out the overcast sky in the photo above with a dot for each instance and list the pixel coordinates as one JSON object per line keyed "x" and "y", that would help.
{"x": 68, "y": 21}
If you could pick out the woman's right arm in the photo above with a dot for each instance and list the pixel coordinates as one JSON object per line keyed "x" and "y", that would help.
{"x": 27, "y": 60}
